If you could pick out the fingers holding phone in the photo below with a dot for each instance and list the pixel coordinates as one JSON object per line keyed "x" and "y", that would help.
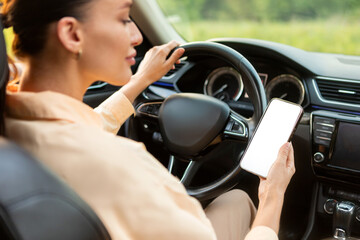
{"x": 280, "y": 172}
{"x": 272, "y": 189}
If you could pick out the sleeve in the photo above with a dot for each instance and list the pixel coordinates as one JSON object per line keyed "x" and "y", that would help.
{"x": 114, "y": 111}
{"x": 261, "y": 233}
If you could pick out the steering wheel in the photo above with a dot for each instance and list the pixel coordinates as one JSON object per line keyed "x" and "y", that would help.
{"x": 190, "y": 122}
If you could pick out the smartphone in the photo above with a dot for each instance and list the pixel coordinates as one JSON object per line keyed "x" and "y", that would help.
{"x": 276, "y": 127}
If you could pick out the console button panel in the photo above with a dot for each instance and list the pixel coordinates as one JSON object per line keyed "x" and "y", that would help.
{"x": 323, "y": 129}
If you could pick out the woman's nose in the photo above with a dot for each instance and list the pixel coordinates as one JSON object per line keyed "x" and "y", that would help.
{"x": 135, "y": 35}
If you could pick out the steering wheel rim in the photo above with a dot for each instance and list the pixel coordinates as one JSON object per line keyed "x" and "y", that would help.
{"x": 256, "y": 93}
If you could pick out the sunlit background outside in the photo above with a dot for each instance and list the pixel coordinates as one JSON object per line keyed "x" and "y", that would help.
{"x": 331, "y": 26}
{"x": 9, "y": 37}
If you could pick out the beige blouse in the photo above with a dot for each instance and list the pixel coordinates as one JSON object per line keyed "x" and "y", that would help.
{"x": 127, "y": 187}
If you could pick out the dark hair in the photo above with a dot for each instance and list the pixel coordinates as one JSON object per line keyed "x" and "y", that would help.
{"x": 30, "y": 20}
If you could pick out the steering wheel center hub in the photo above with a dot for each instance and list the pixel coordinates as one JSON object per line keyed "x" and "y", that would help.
{"x": 189, "y": 122}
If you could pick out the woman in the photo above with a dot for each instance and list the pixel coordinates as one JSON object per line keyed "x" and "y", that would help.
{"x": 66, "y": 45}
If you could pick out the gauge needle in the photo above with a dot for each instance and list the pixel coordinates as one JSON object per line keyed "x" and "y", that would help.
{"x": 284, "y": 95}
{"x": 220, "y": 90}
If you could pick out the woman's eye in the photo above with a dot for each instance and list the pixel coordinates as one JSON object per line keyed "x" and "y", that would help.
{"x": 127, "y": 21}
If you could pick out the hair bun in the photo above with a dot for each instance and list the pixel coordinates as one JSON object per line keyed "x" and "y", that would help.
{"x": 5, "y": 21}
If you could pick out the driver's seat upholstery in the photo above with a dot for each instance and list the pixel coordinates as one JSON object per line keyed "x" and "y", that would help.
{"x": 34, "y": 203}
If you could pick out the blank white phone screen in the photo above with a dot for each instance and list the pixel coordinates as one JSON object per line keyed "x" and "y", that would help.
{"x": 274, "y": 129}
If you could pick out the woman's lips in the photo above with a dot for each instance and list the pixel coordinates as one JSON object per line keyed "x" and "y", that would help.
{"x": 131, "y": 59}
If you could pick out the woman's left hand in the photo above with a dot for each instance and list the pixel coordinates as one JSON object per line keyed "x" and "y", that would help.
{"x": 153, "y": 67}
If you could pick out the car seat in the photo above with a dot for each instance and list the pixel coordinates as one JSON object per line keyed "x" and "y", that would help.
{"x": 34, "y": 203}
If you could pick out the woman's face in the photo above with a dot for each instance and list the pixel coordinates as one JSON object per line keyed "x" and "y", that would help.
{"x": 109, "y": 40}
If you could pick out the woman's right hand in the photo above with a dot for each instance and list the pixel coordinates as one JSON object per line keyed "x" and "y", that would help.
{"x": 280, "y": 172}
{"x": 156, "y": 64}
{"x": 152, "y": 68}
{"x": 272, "y": 189}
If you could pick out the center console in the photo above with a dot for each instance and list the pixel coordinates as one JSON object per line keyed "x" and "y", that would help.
{"x": 336, "y": 145}
{"x": 336, "y": 163}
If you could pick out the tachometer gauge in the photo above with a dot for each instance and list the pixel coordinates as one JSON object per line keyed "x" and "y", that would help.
{"x": 224, "y": 83}
{"x": 287, "y": 87}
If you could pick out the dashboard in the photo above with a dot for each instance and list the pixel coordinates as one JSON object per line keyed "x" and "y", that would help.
{"x": 216, "y": 78}
{"x": 326, "y": 85}
{"x": 326, "y": 143}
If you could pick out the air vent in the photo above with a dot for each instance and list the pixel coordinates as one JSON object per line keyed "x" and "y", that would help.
{"x": 345, "y": 91}
{"x": 177, "y": 68}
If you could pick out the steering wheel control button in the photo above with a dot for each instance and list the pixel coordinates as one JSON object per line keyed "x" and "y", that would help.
{"x": 329, "y": 206}
{"x": 237, "y": 128}
{"x": 149, "y": 109}
{"x": 229, "y": 125}
{"x": 234, "y": 127}
{"x": 319, "y": 157}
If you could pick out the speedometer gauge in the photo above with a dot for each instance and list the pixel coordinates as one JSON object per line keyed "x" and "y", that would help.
{"x": 287, "y": 87}
{"x": 224, "y": 83}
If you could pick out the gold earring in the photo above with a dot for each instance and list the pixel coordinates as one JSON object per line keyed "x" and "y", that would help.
{"x": 78, "y": 55}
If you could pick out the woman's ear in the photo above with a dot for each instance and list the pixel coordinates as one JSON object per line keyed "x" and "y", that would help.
{"x": 70, "y": 34}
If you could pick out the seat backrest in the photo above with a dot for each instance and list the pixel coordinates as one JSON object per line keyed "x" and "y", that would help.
{"x": 34, "y": 203}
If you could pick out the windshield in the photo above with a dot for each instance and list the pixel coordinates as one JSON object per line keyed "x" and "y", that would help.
{"x": 331, "y": 26}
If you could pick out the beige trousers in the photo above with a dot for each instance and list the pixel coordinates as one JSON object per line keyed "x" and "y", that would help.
{"x": 231, "y": 215}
